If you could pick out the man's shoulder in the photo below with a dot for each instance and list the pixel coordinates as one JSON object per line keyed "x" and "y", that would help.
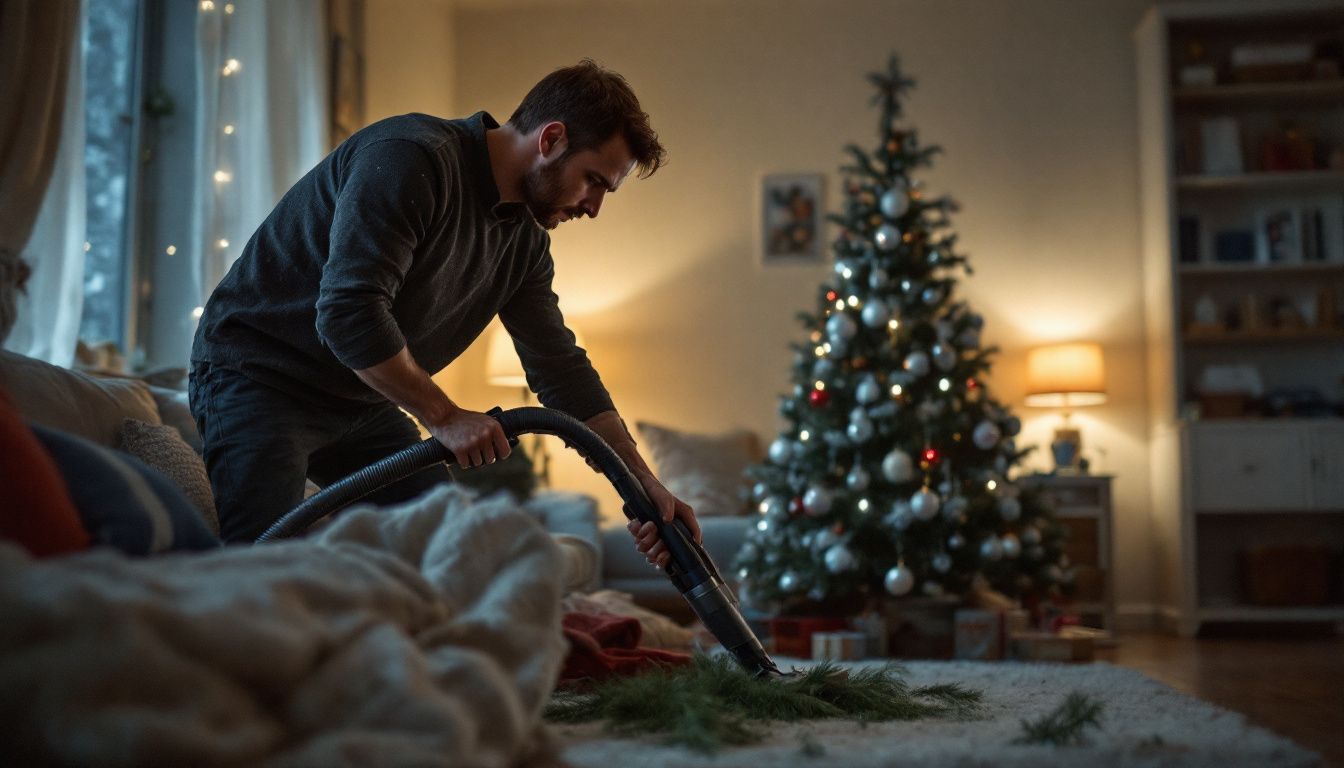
{"x": 433, "y": 134}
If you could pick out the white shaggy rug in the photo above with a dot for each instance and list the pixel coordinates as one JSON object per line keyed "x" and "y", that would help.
{"x": 1143, "y": 723}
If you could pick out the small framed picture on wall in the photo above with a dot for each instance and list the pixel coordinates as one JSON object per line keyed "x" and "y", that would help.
{"x": 791, "y": 218}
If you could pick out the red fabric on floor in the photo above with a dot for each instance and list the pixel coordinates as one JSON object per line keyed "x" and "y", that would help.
{"x": 603, "y": 645}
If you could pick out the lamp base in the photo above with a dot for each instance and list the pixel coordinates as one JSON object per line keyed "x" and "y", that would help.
{"x": 1067, "y": 448}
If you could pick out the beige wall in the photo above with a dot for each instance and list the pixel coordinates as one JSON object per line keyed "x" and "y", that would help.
{"x": 1033, "y": 100}
{"x": 408, "y": 57}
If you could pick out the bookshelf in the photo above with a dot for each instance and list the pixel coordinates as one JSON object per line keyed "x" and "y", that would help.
{"x": 1241, "y": 133}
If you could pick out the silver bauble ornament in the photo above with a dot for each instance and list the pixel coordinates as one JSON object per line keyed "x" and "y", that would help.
{"x": 875, "y": 313}
{"x": 917, "y": 363}
{"x": 839, "y": 559}
{"x": 860, "y": 429}
{"x": 942, "y": 562}
{"x": 868, "y": 391}
{"x": 1011, "y": 426}
{"x": 900, "y": 516}
{"x": 955, "y": 506}
{"x": 991, "y": 548}
{"x": 943, "y": 329}
{"x": 895, "y": 202}
{"x": 877, "y": 279}
{"x": 823, "y": 539}
{"x": 887, "y": 237}
{"x": 759, "y": 491}
{"x": 841, "y": 326}
{"x": 789, "y": 581}
{"x": 857, "y": 480}
{"x": 1011, "y": 546}
{"x": 1031, "y": 535}
{"x": 1001, "y": 464}
{"x": 956, "y": 541}
{"x": 823, "y": 368}
{"x": 931, "y": 295}
{"x": 799, "y": 449}
{"x": 817, "y": 500}
{"x": 775, "y": 508}
{"x": 781, "y": 450}
{"x": 986, "y": 435}
{"x": 899, "y": 580}
{"x": 944, "y": 356}
{"x": 969, "y": 338}
{"x": 924, "y": 504}
{"x": 1010, "y": 508}
{"x": 898, "y": 467}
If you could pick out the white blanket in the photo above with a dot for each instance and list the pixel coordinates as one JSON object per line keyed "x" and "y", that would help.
{"x": 427, "y": 634}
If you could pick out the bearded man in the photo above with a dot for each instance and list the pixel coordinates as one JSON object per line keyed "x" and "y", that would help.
{"x": 382, "y": 265}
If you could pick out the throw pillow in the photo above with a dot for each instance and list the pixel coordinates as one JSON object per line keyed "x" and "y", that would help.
{"x": 37, "y": 512}
{"x": 703, "y": 470}
{"x": 162, "y": 447}
{"x": 122, "y": 502}
{"x": 72, "y": 402}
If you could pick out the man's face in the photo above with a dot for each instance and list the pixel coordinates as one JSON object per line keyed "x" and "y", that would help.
{"x": 572, "y": 184}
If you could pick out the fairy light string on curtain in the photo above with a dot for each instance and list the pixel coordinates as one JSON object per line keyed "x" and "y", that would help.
{"x": 223, "y": 209}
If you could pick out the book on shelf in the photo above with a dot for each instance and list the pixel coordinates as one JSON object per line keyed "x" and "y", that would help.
{"x": 1279, "y": 235}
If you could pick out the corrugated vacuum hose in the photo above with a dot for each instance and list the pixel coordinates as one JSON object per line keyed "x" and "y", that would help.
{"x": 689, "y": 565}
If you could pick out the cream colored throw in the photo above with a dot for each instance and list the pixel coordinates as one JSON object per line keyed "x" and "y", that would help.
{"x": 421, "y": 635}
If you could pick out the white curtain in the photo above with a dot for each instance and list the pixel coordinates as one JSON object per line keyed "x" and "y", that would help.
{"x": 42, "y": 170}
{"x": 261, "y": 119}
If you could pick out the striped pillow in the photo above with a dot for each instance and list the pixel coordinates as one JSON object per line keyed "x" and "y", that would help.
{"x": 122, "y": 502}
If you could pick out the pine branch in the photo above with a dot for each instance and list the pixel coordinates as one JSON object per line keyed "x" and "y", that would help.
{"x": 1064, "y": 726}
{"x": 714, "y": 702}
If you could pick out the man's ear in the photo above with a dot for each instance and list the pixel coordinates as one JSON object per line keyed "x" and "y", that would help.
{"x": 552, "y": 140}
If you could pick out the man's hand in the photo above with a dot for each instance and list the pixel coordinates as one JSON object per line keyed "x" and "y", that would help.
{"x": 646, "y": 534}
{"x": 474, "y": 438}
{"x": 609, "y": 426}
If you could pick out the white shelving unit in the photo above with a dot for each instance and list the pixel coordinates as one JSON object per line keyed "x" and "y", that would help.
{"x": 1224, "y": 486}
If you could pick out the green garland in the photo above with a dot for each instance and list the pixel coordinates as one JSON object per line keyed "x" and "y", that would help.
{"x": 713, "y": 702}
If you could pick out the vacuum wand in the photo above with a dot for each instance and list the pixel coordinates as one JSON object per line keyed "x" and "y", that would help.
{"x": 689, "y": 566}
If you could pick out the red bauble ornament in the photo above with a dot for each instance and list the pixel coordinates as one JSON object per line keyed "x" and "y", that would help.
{"x": 931, "y": 455}
{"x": 818, "y": 398}
{"x": 796, "y": 506}
{"x": 831, "y": 295}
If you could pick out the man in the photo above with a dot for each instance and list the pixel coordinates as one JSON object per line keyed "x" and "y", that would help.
{"x": 385, "y": 262}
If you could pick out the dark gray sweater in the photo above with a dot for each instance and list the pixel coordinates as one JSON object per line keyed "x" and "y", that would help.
{"x": 397, "y": 238}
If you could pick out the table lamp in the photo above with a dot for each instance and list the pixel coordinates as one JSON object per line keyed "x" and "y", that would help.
{"x": 504, "y": 369}
{"x": 1066, "y": 376}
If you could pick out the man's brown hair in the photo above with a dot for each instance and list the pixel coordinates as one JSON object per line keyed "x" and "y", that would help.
{"x": 595, "y": 104}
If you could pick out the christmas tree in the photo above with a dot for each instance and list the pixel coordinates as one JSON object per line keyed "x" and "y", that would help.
{"x": 893, "y": 472}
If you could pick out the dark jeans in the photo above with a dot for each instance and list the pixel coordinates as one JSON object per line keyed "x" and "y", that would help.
{"x": 260, "y": 444}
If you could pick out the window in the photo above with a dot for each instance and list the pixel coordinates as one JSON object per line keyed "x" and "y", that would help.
{"x": 109, "y": 43}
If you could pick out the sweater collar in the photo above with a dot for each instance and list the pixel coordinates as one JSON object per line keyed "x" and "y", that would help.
{"x": 484, "y": 175}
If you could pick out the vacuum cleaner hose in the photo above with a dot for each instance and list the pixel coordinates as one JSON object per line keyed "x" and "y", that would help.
{"x": 689, "y": 566}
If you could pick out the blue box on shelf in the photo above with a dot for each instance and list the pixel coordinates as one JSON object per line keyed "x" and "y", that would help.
{"x": 1234, "y": 246}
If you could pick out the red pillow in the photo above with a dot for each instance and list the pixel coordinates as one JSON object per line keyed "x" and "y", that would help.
{"x": 37, "y": 513}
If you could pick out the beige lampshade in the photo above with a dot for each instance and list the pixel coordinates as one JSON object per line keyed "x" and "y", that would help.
{"x": 502, "y": 367}
{"x": 1066, "y": 375}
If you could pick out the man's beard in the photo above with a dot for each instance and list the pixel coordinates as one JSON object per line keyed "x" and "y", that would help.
{"x": 542, "y": 193}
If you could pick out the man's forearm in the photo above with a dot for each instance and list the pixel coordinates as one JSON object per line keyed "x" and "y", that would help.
{"x": 402, "y": 380}
{"x": 611, "y": 428}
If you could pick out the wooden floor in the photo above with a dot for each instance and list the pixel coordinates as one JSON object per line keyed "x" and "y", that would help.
{"x": 1294, "y": 687}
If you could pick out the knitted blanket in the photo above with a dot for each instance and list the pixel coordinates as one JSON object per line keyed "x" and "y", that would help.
{"x": 424, "y": 635}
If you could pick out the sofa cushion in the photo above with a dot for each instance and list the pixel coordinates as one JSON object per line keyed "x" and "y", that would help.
{"x": 122, "y": 502}
{"x": 175, "y": 411}
{"x": 703, "y": 470}
{"x": 71, "y": 402}
{"x": 162, "y": 447}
